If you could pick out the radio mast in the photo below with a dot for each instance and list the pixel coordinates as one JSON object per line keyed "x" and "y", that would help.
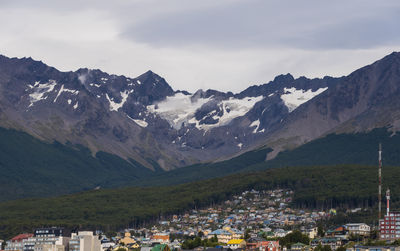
{"x": 380, "y": 181}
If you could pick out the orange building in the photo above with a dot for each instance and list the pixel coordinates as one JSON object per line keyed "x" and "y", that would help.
{"x": 162, "y": 238}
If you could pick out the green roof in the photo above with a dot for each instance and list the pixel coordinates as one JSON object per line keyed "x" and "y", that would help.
{"x": 159, "y": 247}
{"x": 299, "y": 244}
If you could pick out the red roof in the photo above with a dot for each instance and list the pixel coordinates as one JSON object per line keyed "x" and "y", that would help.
{"x": 20, "y": 237}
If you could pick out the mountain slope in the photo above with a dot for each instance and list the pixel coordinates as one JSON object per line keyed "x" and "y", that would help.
{"x": 142, "y": 122}
{"x": 334, "y": 149}
{"x": 143, "y": 118}
{"x": 366, "y": 99}
{"x": 31, "y": 168}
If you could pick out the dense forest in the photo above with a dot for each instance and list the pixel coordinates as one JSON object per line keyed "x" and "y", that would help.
{"x": 322, "y": 187}
{"x": 32, "y": 168}
{"x": 333, "y": 149}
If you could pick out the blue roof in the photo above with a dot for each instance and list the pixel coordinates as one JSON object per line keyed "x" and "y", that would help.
{"x": 220, "y": 231}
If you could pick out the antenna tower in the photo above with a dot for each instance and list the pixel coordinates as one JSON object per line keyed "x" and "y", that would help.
{"x": 380, "y": 181}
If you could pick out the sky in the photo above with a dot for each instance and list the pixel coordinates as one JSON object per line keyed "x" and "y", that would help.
{"x": 225, "y": 45}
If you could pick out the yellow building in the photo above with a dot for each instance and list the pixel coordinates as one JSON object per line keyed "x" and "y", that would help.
{"x": 127, "y": 239}
{"x": 236, "y": 243}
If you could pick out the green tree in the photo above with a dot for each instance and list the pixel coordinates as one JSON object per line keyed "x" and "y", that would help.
{"x": 247, "y": 234}
{"x": 294, "y": 237}
{"x": 322, "y": 248}
{"x": 320, "y": 231}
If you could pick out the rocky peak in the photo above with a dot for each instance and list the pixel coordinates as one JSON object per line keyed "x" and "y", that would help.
{"x": 151, "y": 88}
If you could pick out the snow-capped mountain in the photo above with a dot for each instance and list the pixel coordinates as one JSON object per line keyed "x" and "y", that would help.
{"x": 366, "y": 99}
{"x": 143, "y": 118}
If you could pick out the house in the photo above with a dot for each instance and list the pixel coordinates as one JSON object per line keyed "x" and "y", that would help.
{"x": 17, "y": 242}
{"x": 373, "y": 248}
{"x": 218, "y": 249}
{"x": 161, "y": 247}
{"x": 339, "y": 231}
{"x": 333, "y": 242}
{"x": 162, "y": 238}
{"x": 127, "y": 239}
{"x": 300, "y": 247}
{"x": 236, "y": 243}
{"x": 258, "y": 243}
{"x": 106, "y": 244}
{"x": 280, "y": 233}
{"x": 272, "y": 246}
{"x": 311, "y": 232}
{"x": 223, "y": 235}
{"x": 358, "y": 229}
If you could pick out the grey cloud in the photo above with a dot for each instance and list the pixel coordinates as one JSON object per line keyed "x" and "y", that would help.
{"x": 262, "y": 24}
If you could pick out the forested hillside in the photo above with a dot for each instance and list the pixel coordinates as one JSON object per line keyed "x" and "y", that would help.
{"x": 333, "y": 149}
{"x": 109, "y": 209}
{"x": 32, "y": 168}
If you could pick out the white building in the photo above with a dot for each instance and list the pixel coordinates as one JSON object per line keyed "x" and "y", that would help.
{"x": 17, "y": 243}
{"x": 358, "y": 228}
{"x": 49, "y": 247}
{"x": 84, "y": 241}
{"x": 47, "y": 239}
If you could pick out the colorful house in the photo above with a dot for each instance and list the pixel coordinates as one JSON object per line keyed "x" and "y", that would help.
{"x": 127, "y": 239}
{"x": 236, "y": 243}
{"x": 161, "y": 247}
{"x": 161, "y": 238}
{"x": 258, "y": 243}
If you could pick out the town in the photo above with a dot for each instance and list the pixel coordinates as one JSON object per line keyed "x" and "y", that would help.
{"x": 252, "y": 220}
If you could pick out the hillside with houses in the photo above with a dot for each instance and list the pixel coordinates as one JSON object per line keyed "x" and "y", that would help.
{"x": 252, "y": 220}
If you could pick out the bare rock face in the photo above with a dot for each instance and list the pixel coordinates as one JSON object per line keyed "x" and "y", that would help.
{"x": 144, "y": 119}
{"x": 366, "y": 99}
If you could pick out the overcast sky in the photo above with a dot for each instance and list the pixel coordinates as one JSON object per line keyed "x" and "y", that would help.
{"x": 218, "y": 44}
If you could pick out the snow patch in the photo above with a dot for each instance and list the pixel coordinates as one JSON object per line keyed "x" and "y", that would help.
{"x": 255, "y": 123}
{"x": 75, "y": 92}
{"x": 293, "y": 98}
{"x": 177, "y": 109}
{"x": 138, "y": 81}
{"x": 95, "y": 85}
{"x": 240, "y": 145}
{"x": 76, "y": 105}
{"x": 141, "y": 123}
{"x": 69, "y": 101}
{"x": 115, "y": 106}
{"x": 232, "y": 108}
{"x": 39, "y": 91}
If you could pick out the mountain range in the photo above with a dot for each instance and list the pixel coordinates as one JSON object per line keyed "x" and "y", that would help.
{"x": 144, "y": 118}
{"x": 151, "y": 128}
